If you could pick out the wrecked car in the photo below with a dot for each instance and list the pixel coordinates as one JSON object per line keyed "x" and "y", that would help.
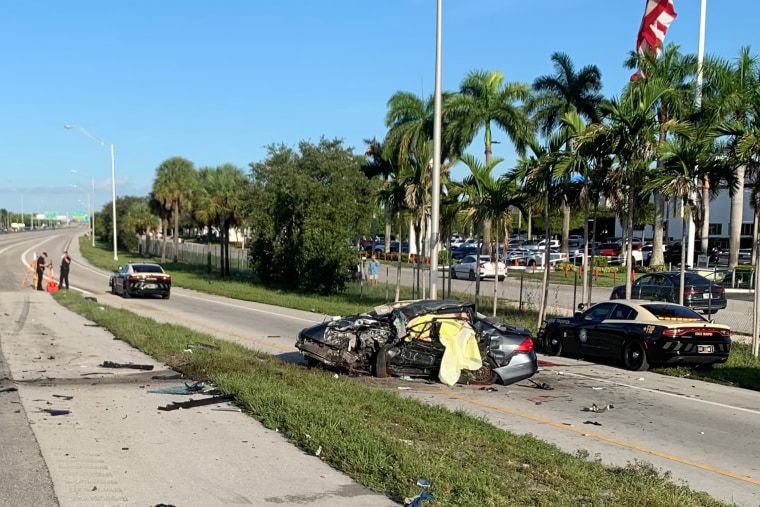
{"x": 440, "y": 339}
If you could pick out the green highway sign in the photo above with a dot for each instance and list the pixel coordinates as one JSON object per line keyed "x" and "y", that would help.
{"x": 51, "y": 215}
{"x": 78, "y": 214}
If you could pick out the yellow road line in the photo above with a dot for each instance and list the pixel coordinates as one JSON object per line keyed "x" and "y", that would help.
{"x": 603, "y": 438}
{"x": 523, "y": 415}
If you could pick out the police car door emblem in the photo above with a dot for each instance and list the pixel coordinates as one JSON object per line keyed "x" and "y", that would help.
{"x": 582, "y": 336}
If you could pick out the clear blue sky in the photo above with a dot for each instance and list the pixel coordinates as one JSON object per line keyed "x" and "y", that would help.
{"x": 216, "y": 82}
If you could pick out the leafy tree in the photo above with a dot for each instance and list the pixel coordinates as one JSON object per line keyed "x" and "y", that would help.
{"x": 138, "y": 221}
{"x": 484, "y": 99}
{"x": 175, "y": 182}
{"x": 566, "y": 91}
{"x": 126, "y": 239}
{"x": 305, "y": 205}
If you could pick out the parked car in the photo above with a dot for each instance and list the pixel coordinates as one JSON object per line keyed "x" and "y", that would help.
{"x": 464, "y": 251}
{"x": 141, "y": 279}
{"x": 468, "y": 268}
{"x": 639, "y": 334}
{"x": 407, "y": 338}
{"x": 404, "y": 247}
{"x": 699, "y": 293}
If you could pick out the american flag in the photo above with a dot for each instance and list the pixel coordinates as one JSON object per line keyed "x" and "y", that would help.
{"x": 657, "y": 18}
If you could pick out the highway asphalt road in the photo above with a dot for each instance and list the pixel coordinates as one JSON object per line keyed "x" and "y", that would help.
{"x": 702, "y": 433}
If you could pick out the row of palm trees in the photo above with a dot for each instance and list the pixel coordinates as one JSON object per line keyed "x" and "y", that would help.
{"x": 664, "y": 138}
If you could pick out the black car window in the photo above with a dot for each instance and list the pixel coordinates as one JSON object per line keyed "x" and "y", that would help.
{"x": 598, "y": 312}
{"x": 623, "y": 312}
{"x": 694, "y": 279}
{"x": 147, "y": 268}
{"x": 468, "y": 259}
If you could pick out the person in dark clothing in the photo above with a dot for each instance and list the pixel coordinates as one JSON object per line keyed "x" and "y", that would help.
{"x": 41, "y": 265}
{"x": 65, "y": 264}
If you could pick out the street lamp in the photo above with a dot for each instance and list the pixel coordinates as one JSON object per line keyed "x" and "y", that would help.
{"x": 113, "y": 179}
{"x": 90, "y": 207}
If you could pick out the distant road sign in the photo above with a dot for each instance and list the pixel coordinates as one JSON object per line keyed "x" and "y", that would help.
{"x": 78, "y": 215}
{"x": 51, "y": 215}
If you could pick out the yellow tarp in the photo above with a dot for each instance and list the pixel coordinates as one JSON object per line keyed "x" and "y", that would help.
{"x": 461, "y": 344}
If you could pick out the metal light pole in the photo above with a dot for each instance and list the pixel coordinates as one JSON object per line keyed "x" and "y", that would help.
{"x": 113, "y": 181}
{"x": 90, "y": 208}
{"x": 436, "y": 190}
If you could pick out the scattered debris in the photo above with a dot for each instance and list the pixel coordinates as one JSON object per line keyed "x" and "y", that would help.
{"x": 595, "y": 423}
{"x": 91, "y": 298}
{"x": 202, "y": 345}
{"x": 489, "y": 389}
{"x": 541, "y": 385}
{"x": 539, "y": 399}
{"x": 597, "y": 388}
{"x": 404, "y": 388}
{"x": 195, "y": 388}
{"x": 423, "y": 483}
{"x": 198, "y": 403}
{"x": 228, "y": 408}
{"x": 594, "y": 408}
{"x": 111, "y": 364}
{"x": 319, "y": 451}
{"x": 56, "y": 411}
{"x": 641, "y": 378}
{"x": 417, "y": 500}
{"x": 95, "y": 373}
{"x": 63, "y": 397}
{"x": 405, "y": 378}
{"x": 177, "y": 376}
{"x": 8, "y": 389}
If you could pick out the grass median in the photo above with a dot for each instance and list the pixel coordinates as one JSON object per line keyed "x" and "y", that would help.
{"x": 385, "y": 441}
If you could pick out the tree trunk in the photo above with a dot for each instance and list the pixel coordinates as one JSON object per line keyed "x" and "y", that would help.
{"x": 208, "y": 250}
{"x": 658, "y": 258}
{"x": 388, "y": 218}
{"x": 684, "y": 234}
{"x": 496, "y": 276}
{"x": 628, "y": 246}
{"x": 400, "y": 250}
{"x": 547, "y": 257}
{"x": 564, "y": 247}
{"x": 164, "y": 223}
{"x": 175, "y": 233}
{"x": 756, "y": 296}
{"x": 735, "y": 225}
{"x": 705, "y": 232}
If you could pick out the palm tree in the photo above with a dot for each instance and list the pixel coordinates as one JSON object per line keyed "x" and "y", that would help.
{"x": 485, "y": 99}
{"x": 139, "y": 220}
{"x": 498, "y": 196}
{"x": 536, "y": 172}
{"x": 732, "y": 89}
{"x": 475, "y": 187}
{"x": 377, "y": 165}
{"x": 392, "y": 196}
{"x": 564, "y": 92}
{"x": 204, "y": 209}
{"x": 175, "y": 183}
{"x": 160, "y": 209}
{"x": 630, "y": 133}
{"x": 677, "y": 71}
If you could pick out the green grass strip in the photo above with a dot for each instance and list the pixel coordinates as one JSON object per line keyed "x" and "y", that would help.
{"x": 385, "y": 441}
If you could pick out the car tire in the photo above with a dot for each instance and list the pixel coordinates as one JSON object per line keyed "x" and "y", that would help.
{"x": 501, "y": 278}
{"x": 553, "y": 342}
{"x": 635, "y": 356}
{"x": 125, "y": 291}
{"x": 380, "y": 369}
{"x": 113, "y": 289}
{"x": 472, "y": 275}
{"x": 167, "y": 295}
{"x": 453, "y": 274}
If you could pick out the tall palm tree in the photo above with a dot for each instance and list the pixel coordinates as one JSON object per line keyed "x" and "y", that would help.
{"x": 485, "y": 100}
{"x": 159, "y": 208}
{"x": 677, "y": 71}
{"x": 734, "y": 88}
{"x": 175, "y": 182}
{"x": 630, "y": 133}
{"x": 498, "y": 197}
{"x": 564, "y": 92}
{"x": 536, "y": 172}
{"x": 378, "y": 165}
{"x": 204, "y": 209}
{"x": 392, "y": 196}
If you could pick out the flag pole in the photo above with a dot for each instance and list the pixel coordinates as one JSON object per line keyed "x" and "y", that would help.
{"x": 698, "y": 107}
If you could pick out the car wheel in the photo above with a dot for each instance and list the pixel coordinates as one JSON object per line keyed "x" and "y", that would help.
{"x": 553, "y": 342}
{"x": 167, "y": 295}
{"x": 381, "y": 362}
{"x": 125, "y": 291}
{"x": 482, "y": 376}
{"x": 113, "y": 289}
{"x": 472, "y": 275}
{"x": 453, "y": 273}
{"x": 635, "y": 356}
{"x": 501, "y": 278}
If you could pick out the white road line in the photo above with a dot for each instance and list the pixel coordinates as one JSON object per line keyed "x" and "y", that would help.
{"x": 664, "y": 393}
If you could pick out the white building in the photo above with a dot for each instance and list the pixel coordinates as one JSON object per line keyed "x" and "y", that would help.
{"x": 720, "y": 218}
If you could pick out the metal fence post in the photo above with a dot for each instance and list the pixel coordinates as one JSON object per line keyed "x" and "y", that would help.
{"x": 522, "y": 278}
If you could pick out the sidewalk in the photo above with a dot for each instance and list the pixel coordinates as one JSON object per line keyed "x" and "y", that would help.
{"x": 114, "y": 447}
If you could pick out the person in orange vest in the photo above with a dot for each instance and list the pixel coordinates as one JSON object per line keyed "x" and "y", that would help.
{"x": 41, "y": 265}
